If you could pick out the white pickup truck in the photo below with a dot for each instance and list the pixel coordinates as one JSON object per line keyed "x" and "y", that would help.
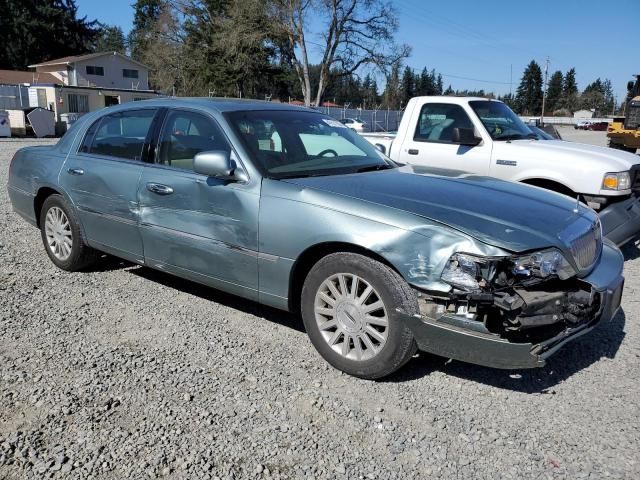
{"x": 485, "y": 137}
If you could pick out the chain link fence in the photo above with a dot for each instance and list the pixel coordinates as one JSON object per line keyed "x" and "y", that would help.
{"x": 375, "y": 120}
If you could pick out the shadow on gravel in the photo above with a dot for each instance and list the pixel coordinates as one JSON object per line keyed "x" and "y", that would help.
{"x": 211, "y": 294}
{"x": 631, "y": 250}
{"x": 107, "y": 263}
{"x": 602, "y": 342}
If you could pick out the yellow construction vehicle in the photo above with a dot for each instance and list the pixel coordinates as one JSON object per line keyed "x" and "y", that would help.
{"x": 624, "y": 132}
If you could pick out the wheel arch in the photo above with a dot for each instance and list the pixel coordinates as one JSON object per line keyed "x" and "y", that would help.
{"x": 550, "y": 184}
{"x": 309, "y": 257}
{"x": 38, "y": 201}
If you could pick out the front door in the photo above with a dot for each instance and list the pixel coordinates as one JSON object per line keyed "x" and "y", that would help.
{"x": 196, "y": 226}
{"x": 102, "y": 181}
{"x": 431, "y": 144}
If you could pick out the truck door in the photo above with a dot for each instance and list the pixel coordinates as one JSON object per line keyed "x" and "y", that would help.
{"x": 431, "y": 145}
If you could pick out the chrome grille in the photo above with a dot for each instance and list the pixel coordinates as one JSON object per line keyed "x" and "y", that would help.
{"x": 587, "y": 246}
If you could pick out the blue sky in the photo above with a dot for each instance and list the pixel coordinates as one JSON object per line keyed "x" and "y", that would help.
{"x": 483, "y": 40}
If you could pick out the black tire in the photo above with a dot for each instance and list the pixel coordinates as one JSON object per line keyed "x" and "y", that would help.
{"x": 394, "y": 292}
{"x": 619, "y": 146}
{"x": 81, "y": 255}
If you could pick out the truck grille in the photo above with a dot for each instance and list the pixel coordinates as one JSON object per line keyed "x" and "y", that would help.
{"x": 587, "y": 246}
{"x": 635, "y": 178}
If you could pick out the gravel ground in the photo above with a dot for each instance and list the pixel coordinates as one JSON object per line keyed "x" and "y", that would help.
{"x": 125, "y": 372}
{"x": 583, "y": 136}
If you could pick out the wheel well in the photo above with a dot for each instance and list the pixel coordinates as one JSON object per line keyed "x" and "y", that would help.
{"x": 311, "y": 256}
{"x": 550, "y": 185}
{"x": 41, "y": 196}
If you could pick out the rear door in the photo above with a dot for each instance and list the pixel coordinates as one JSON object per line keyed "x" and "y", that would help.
{"x": 430, "y": 143}
{"x": 102, "y": 180}
{"x": 196, "y": 226}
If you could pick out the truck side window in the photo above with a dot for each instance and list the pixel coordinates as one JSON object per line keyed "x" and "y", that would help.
{"x": 437, "y": 121}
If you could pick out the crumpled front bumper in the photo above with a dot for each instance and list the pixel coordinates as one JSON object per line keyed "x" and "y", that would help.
{"x": 621, "y": 221}
{"x": 440, "y": 338}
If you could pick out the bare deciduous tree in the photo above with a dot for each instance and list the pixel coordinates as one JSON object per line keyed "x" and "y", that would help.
{"x": 355, "y": 33}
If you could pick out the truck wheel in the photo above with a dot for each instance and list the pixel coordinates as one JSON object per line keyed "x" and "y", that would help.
{"x": 619, "y": 146}
{"x": 62, "y": 236}
{"x": 349, "y": 306}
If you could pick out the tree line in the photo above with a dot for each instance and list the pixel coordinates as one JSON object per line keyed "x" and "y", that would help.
{"x": 562, "y": 96}
{"x": 262, "y": 49}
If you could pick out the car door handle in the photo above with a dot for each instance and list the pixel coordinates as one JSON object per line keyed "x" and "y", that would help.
{"x": 159, "y": 188}
{"x": 413, "y": 151}
{"x": 75, "y": 171}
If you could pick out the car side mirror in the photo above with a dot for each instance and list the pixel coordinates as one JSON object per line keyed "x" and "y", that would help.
{"x": 381, "y": 148}
{"x": 218, "y": 164}
{"x": 465, "y": 136}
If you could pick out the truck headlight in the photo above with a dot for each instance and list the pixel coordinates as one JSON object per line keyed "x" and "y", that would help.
{"x": 616, "y": 181}
{"x": 543, "y": 264}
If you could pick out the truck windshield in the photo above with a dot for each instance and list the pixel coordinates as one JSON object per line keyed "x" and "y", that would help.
{"x": 500, "y": 121}
{"x": 288, "y": 144}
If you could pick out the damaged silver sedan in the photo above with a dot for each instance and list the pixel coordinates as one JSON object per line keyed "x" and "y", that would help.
{"x": 287, "y": 207}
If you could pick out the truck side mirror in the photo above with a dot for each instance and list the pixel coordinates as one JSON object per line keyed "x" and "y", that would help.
{"x": 465, "y": 136}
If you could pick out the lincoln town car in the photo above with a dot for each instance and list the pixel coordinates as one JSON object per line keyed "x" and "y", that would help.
{"x": 288, "y": 207}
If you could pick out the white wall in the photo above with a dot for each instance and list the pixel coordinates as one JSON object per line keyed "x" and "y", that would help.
{"x": 113, "y": 66}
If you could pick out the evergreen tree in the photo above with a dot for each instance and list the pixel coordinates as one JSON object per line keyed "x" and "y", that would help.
{"x": 439, "y": 85}
{"x": 529, "y": 93}
{"x": 554, "y": 91}
{"x": 449, "y": 91}
{"x": 392, "y": 89}
{"x": 110, "y": 39}
{"x": 570, "y": 91}
{"x": 146, "y": 14}
{"x": 35, "y": 31}
{"x": 407, "y": 86}
{"x": 424, "y": 84}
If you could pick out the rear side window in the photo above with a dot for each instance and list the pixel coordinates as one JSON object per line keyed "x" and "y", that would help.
{"x": 437, "y": 121}
{"x": 120, "y": 135}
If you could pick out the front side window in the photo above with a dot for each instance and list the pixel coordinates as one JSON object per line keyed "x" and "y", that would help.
{"x": 78, "y": 103}
{"x": 92, "y": 70}
{"x": 500, "y": 121}
{"x": 287, "y": 144}
{"x": 129, "y": 73}
{"x": 120, "y": 135}
{"x": 185, "y": 134}
{"x": 437, "y": 121}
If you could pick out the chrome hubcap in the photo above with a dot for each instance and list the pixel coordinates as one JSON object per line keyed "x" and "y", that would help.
{"x": 58, "y": 232}
{"x": 351, "y": 316}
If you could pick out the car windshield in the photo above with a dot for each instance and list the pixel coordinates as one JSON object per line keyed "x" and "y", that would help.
{"x": 288, "y": 144}
{"x": 500, "y": 121}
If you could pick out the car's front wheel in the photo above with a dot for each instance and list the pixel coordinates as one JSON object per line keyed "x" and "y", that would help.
{"x": 349, "y": 304}
{"x": 62, "y": 236}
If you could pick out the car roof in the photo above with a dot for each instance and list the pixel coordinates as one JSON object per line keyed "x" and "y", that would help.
{"x": 218, "y": 104}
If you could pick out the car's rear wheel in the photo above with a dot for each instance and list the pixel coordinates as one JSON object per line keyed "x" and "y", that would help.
{"x": 349, "y": 304}
{"x": 62, "y": 236}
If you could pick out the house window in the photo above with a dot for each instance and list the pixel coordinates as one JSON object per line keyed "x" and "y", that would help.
{"x": 91, "y": 70}
{"x": 78, "y": 103}
{"x": 129, "y": 73}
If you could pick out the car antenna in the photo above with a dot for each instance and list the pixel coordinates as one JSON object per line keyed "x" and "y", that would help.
{"x": 576, "y": 210}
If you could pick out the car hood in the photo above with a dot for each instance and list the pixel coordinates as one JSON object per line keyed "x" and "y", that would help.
{"x": 611, "y": 160}
{"x": 511, "y": 216}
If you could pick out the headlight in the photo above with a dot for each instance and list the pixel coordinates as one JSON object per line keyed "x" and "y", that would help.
{"x": 616, "y": 181}
{"x": 471, "y": 273}
{"x": 543, "y": 264}
{"x": 463, "y": 271}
